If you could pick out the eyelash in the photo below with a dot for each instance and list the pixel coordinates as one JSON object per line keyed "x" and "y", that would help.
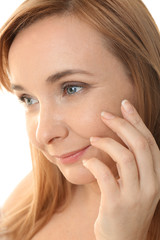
{"x": 64, "y": 87}
{"x": 23, "y": 99}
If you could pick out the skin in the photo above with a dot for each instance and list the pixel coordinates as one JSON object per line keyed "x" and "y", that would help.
{"x": 59, "y": 123}
{"x": 56, "y": 124}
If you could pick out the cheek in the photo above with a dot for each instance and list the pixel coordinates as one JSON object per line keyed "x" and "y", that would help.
{"x": 87, "y": 122}
{"x": 31, "y": 126}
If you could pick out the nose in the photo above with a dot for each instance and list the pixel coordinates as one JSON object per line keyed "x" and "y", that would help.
{"x": 50, "y": 127}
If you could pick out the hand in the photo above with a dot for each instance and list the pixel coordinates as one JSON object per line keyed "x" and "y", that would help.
{"x": 128, "y": 203}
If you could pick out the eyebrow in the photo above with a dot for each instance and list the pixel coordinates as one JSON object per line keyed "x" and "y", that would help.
{"x": 55, "y": 77}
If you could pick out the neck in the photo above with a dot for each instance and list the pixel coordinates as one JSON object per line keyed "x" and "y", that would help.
{"x": 89, "y": 193}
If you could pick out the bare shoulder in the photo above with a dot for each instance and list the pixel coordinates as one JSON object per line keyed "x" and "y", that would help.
{"x": 18, "y": 192}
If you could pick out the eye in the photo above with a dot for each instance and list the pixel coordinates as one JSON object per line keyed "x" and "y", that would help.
{"x": 28, "y": 101}
{"x": 71, "y": 89}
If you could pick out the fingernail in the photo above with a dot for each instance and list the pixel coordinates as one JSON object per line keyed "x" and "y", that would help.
{"x": 84, "y": 162}
{"x": 94, "y": 139}
{"x": 107, "y": 115}
{"x": 127, "y": 106}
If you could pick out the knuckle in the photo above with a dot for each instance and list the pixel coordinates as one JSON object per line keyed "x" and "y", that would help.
{"x": 127, "y": 158}
{"x": 137, "y": 121}
{"x": 155, "y": 190}
{"x": 141, "y": 143}
{"x": 133, "y": 202}
{"x": 122, "y": 123}
{"x": 115, "y": 207}
{"x": 150, "y": 140}
{"x": 152, "y": 191}
{"x": 106, "y": 176}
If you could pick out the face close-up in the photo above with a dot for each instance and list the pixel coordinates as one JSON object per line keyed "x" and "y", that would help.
{"x": 66, "y": 77}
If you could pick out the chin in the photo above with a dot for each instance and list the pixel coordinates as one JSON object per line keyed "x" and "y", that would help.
{"x": 78, "y": 176}
{"x": 81, "y": 181}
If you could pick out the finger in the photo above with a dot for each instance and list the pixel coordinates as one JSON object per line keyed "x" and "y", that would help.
{"x": 125, "y": 159}
{"x": 130, "y": 113}
{"x": 107, "y": 183}
{"x": 138, "y": 145}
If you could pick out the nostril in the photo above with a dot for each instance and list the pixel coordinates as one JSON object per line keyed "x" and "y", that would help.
{"x": 51, "y": 133}
{"x": 53, "y": 140}
{"x": 49, "y": 127}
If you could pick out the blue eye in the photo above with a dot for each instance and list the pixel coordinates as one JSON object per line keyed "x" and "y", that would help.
{"x": 28, "y": 101}
{"x": 71, "y": 89}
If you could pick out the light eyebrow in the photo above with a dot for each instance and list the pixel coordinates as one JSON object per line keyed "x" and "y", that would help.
{"x": 55, "y": 77}
{"x": 17, "y": 87}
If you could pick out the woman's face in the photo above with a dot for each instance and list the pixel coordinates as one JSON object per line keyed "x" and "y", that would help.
{"x": 60, "y": 68}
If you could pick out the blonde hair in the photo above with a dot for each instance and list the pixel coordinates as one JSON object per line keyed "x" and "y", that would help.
{"x": 134, "y": 38}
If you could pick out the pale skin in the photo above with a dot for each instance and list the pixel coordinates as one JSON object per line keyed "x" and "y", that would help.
{"x": 108, "y": 204}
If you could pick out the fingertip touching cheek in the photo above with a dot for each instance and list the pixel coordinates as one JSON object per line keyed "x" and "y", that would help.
{"x": 65, "y": 78}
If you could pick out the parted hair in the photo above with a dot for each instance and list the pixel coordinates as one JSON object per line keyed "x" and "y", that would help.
{"x": 134, "y": 38}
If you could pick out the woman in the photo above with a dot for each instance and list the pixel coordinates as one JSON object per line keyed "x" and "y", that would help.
{"x": 96, "y": 158}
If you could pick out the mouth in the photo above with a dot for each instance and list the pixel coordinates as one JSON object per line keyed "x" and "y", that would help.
{"x": 72, "y": 156}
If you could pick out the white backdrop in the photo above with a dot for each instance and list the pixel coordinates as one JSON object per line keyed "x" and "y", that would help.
{"x": 15, "y": 160}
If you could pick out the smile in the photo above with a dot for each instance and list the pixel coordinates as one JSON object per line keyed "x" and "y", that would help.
{"x": 72, "y": 156}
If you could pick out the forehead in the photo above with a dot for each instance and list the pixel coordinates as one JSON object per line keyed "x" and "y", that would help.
{"x": 58, "y": 43}
{"x": 61, "y": 39}
{"x": 57, "y": 31}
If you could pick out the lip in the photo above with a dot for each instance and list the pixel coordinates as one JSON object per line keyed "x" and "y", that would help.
{"x": 72, "y": 156}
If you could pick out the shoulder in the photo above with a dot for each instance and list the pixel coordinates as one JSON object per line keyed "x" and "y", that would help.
{"x": 18, "y": 192}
